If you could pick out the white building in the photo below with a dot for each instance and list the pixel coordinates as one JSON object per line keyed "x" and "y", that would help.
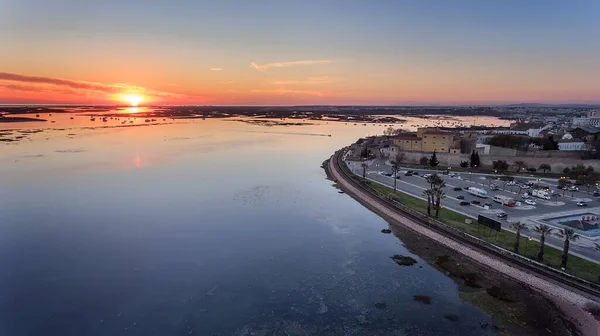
{"x": 483, "y": 149}
{"x": 570, "y": 145}
{"x": 592, "y": 119}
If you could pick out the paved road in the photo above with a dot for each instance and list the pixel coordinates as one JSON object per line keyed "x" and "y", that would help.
{"x": 414, "y": 185}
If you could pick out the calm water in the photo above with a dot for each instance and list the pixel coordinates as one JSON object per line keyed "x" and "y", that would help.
{"x": 202, "y": 228}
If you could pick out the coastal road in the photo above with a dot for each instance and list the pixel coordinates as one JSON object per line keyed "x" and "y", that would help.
{"x": 415, "y": 185}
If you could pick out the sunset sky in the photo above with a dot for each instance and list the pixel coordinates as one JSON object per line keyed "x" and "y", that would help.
{"x": 300, "y": 51}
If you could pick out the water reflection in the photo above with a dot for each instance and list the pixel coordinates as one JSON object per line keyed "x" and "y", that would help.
{"x": 216, "y": 232}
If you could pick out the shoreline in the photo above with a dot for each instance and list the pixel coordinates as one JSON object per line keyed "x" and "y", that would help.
{"x": 476, "y": 278}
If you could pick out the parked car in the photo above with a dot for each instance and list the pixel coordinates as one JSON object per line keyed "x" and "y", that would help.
{"x": 461, "y": 197}
{"x": 524, "y": 186}
{"x": 501, "y": 215}
{"x": 397, "y": 177}
{"x": 476, "y": 202}
{"x": 464, "y": 203}
{"x": 573, "y": 188}
{"x": 530, "y": 202}
{"x": 457, "y": 189}
{"x": 494, "y": 187}
{"x": 387, "y": 174}
{"x": 426, "y": 175}
{"x": 596, "y": 193}
{"x": 581, "y": 203}
{"x": 559, "y": 187}
{"x": 488, "y": 204}
{"x": 525, "y": 196}
{"x": 408, "y": 174}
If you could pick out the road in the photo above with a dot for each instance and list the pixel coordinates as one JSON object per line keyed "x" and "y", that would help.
{"x": 415, "y": 185}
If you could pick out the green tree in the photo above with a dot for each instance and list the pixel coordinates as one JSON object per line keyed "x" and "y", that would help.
{"x": 437, "y": 185}
{"x": 395, "y": 169}
{"x": 569, "y": 235}
{"x": 477, "y": 160}
{"x": 364, "y": 166}
{"x": 400, "y": 157}
{"x": 518, "y": 227}
{"x": 430, "y": 196}
{"x": 520, "y": 165}
{"x": 433, "y": 161}
{"x": 473, "y": 159}
{"x": 424, "y": 161}
{"x": 543, "y": 230}
{"x": 545, "y": 167}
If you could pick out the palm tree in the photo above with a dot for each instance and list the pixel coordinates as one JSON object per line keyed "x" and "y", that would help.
{"x": 569, "y": 235}
{"x": 518, "y": 227}
{"x": 439, "y": 194}
{"x": 364, "y": 166}
{"x": 598, "y": 249}
{"x": 395, "y": 168}
{"x": 430, "y": 196}
{"x": 543, "y": 230}
{"x": 545, "y": 167}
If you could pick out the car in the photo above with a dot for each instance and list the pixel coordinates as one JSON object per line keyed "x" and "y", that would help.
{"x": 488, "y": 204}
{"x": 494, "y": 187}
{"x": 464, "y": 203}
{"x": 457, "y": 189}
{"x": 524, "y": 186}
{"x": 596, "y": 193}
{"x": 525, "y": 196}
{"x": 530, "y": 202}
{"x": 387, "y": 174}
{"x": 581, "y": 203}
{"x": 573, "y": 188}
{"x": 415, "y": 173}
{"x": 511, "y": 183}
{"x": 501, "y": 215}
{"x": 426, "y": 175}
{"x": 559, "y": 187}
{"x": 397, "y": 177}
{"x": 408, "y": 174}
{"x": 460, "y": 197}
{"x": 476, "y": 202}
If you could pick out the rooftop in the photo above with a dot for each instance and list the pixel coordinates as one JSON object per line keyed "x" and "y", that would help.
{"x": 588, "y": 129}
{"x": 526, "y": 126}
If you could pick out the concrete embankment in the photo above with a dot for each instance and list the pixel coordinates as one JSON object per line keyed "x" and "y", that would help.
{"x": 572, "y": 304}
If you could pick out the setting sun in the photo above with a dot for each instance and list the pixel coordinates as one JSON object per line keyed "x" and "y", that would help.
{"x": 133, "y": 99}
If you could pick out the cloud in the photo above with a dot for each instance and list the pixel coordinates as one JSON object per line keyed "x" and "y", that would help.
{"x": 292, "y": 92}
{"x": 226, "y": 82}
{"x": 309, "y": 81}
{"x": 263, "y": 67}
{"x": 216, "y": 69}
{"x": 20, "y": 82}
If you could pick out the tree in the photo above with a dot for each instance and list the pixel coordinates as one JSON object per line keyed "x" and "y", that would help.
{"x": 424, "y": 161}
{"x": 395, "y": 169}
{"x": 364, "y": 166}
{"x": 544, "y": 167}
{"x": 543, "y": 230}
{"x": 437, "y": 185}
{"x": 531, "y": 170}
{"x": 473, "y": 159}
{"x": 477, "y": 161}
{"x": 433, "y": 161}
{"x": 464, "y": 164}
{"x": 400, "y": 157}
{"x": 508, "y": 141}
{"x": 569, "y": 235}
{"x": 520, "y": 165}
{"x": 388, "y": 131}
{"x": 517, "y": 226}
{"x": 430, "y": 196}
{"x": 500, "y": 165}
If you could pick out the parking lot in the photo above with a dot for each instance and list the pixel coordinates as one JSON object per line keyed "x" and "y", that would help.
{"x": 460, "y": 200}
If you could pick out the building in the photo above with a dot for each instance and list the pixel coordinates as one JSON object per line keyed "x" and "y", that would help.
{"x": 592, "y": 119}
{"x": 408, "y": 142}
{"x": 571, "y": 145}
{"x": 434, "y": 140}
{"x": 584, "y": 132}
{"x": 529, "y": 129}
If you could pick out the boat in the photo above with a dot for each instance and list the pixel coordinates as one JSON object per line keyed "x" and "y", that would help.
{"x": 92, "y": 119}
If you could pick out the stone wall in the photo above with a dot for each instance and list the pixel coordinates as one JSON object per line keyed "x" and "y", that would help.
{"x": 454, "y": 160}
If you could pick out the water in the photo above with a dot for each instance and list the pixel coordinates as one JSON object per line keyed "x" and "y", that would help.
{"x": 202, "y": 228}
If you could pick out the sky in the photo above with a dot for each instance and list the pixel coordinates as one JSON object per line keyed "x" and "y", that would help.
{"x": 291, "y": 52}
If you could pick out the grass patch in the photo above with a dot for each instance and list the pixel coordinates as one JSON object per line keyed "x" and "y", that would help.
{"x": 552, "y": 257}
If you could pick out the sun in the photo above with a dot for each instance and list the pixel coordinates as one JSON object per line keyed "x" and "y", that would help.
{"x": 133, "y": 99}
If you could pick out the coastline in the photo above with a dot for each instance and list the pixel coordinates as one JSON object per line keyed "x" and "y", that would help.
{"x": 518, "y": 307}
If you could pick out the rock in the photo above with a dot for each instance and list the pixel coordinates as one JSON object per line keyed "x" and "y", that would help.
{"x": 403, "y": 260}
{"x": 386, "y": 231}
